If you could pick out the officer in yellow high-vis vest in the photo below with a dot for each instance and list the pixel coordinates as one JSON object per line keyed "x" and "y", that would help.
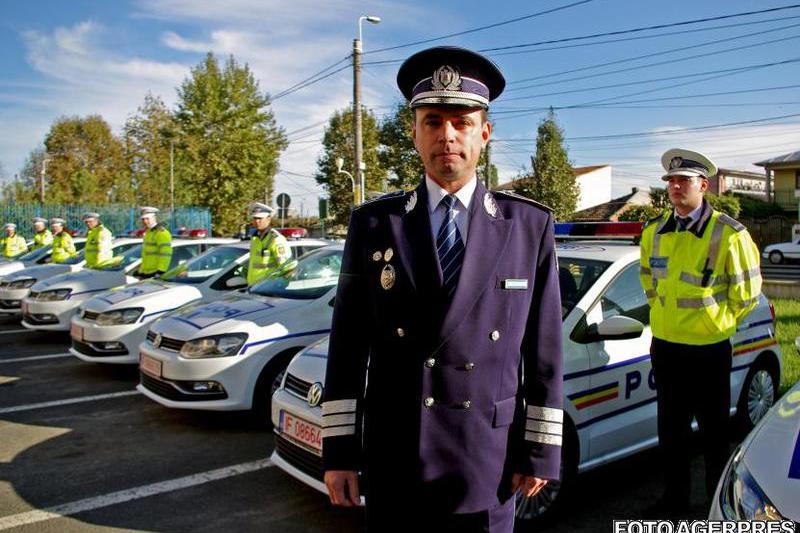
{"x": 700, "y": 272}
{"x": 63, "y": 245}
{"x": 12, "y": 244}
{"x": 42, "y": 236}
{"x": 157, "y": 245}
{"x": 98, "y": 249}
{"x": 269, "y": 252}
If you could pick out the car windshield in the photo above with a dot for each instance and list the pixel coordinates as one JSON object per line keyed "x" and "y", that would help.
{"x": 78, "y": 258}
{"x": 205, "y": 266}
{"x": 35, "y": 255}
{"x": 575, "y": 277}
{"x": 315, "y": 274}
{"x": 125, "y": 259}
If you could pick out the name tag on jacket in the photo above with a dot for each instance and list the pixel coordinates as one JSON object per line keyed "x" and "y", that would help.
{"x": 515, "y": 284}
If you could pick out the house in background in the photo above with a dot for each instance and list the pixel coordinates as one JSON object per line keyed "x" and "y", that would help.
{"x": 785, "y": 171}
{"x": 739, "y": 181}
{"x": 594, "y": 183}
{"x": 611, "y": 210}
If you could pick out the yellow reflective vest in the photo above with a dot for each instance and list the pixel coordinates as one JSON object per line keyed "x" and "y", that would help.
{"x": 156, "y": 250}
{"x": 42, "y": 239}
{"x": 698, "y": 286}
{"x": 98, "y": 246}
{"x": 63, "y": 247}
{"x": 13, "y": 246}
{"x": 269, "y": 255}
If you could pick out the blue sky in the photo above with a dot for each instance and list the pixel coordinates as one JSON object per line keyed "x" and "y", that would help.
{"x": 82, "y": 57}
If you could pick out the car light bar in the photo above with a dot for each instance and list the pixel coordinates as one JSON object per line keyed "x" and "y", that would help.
{"x": 599, "y": 230}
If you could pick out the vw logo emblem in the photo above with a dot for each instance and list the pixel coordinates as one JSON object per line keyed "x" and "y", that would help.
{"x": 157, "y": 340}
{"x": 314, "y": 394}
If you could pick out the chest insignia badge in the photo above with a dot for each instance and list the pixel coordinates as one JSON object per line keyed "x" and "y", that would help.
{"x": 377, "y": 256}
{"x": 387, "y": 256}
{"x": 412, "y": 201}
{"x": 489, "y": 205}
{"x": 388, "y": 276}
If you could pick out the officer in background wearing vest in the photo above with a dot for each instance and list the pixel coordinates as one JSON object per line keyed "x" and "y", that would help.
{"x": 42, "y": 236}
{"x": 63, "y": 246}
{"x": 700, "y": 271}
{"x": 98, "y": 250}
{"x": 12, "y": 244}
{"x": 157, "y": 245}
{"x": 269, "y": 252}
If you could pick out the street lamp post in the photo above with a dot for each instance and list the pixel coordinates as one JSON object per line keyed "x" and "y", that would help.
{"x": 358, "y": 166}
{"x": 339, "y": 165}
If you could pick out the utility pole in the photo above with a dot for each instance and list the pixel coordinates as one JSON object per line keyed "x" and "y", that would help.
{"x": 488, "y": 168}
{"x": 358, "y": 170}
{"x": 41, "y": 179}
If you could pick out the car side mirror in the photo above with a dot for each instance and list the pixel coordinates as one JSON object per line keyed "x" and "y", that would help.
{"x": 235, "y": 282}
{"x": 614, "y": 328}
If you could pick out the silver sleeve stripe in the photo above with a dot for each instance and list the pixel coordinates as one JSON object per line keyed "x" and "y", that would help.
{"x": 338, "y": 420}
{"x": 554, "y": 428}
{"x": 338, "y": 431}
{"x": 338, "y": 406}
{"x": 548, "y": 414}
{"x": 543, "y": 438}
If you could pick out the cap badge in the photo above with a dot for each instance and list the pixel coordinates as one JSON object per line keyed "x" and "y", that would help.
{"x": 489, "y": 205}
{"x": 412, "y": 201}
{"x": 675, "y": 162}
{"x": 446, "y": 78}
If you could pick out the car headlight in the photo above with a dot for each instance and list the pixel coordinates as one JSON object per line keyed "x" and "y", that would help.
{"x": 742, "y": 498}
{"x": 51, "y": 296}
{"x": 216, "y": 346}
{"x": 21, "y": 283}
{"x": 120, "y": 316}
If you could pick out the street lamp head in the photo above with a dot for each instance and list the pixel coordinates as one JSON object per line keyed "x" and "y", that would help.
{"x": 372, "y": 19}
{"x": 339, "y": 164}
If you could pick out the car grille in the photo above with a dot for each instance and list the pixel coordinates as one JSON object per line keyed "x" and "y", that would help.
{"x": 87, "y": 349}
{"x": 90, "y": 315}
{"x": 168, "y": 390}
{"x": 10, "y": 304}
{"x": 303, "y": 460}
{"x": 38, "y": 320}
{"x": 166, "y": 343}
{"x": 297, "y": 386}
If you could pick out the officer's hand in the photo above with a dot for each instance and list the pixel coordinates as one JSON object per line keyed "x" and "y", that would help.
{"x": 528, "y": 485}
{"x": 343, "y": 487}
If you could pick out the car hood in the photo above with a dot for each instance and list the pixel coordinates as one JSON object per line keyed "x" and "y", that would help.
{"x": 11, "y": 267}
{"x": 309, "y": 365}
{"x": 83, "y": 281}
{"x": 772, "y": 454}
{"x": 225, "y": 315}
{"x": 152, "y": 295}
{"x": 40, "y": 272}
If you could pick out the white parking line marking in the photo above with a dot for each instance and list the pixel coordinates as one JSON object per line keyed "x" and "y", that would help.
{"x": 35, "y": 357}
{"x": 24, "y": 330}
{"x": 68, "y": 401}
{"x": 144, "y": 491}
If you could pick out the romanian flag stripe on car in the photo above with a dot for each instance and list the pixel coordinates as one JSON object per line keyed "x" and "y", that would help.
{"x": 595, "y": 396}
{"x": 598, "y": 230}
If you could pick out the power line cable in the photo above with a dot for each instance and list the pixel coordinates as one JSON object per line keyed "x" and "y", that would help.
{"x": 288, "y": 90}
{"x": 296, "y": 88}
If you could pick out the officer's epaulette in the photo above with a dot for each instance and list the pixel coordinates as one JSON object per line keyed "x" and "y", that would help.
{"x": 387, "y": 196}
{"x": 515, "y": 196}
{"x": 732, "y": 222}
{"x": 653, "y": 220}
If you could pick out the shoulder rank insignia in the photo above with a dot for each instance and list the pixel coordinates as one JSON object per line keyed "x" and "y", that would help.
{"x": 511, "y": 194}
{"x": 412, "y": 201}
{"x": 732, "y": 222}
{"x": 490, "y": 205}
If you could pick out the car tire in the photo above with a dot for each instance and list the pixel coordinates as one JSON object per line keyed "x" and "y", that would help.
{"x": 261, "y": 409}
{"x": 759, "y": 391}
{"x": 544, "y": 507}
{"x": 775, "y": 257}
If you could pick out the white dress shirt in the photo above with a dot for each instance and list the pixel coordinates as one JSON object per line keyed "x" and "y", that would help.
{"x": 438, "y": 210}
{"x": 693, "y": 216}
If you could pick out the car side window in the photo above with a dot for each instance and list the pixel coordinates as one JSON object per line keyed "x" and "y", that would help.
{"x": 625, "y": 297}
{"x": 182, "y": 254}
{"x": 240, "y": 270}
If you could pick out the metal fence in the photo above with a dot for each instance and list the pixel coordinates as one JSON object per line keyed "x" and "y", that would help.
{"x": 119, "y": 218}
{"x": 768, "y": 230}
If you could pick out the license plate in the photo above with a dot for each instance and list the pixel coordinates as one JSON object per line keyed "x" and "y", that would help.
{"x": 302, "y": 431}
{"x": 24, "y": 307}
{"x": 76, "y": 332}
{"x": 150, "y": 365}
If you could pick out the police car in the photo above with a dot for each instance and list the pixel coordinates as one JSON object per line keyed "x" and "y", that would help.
{"x": 40, "y": 256}
{"x": 50, "y": 304}
{"x": 14, "y": 287}
{"x": 225, "y": 355}
{"x": 609, "y": 395}
{"x": 762, "y": 478}
{"x": 109, "y": 327}
{"x": 782, "y": 252}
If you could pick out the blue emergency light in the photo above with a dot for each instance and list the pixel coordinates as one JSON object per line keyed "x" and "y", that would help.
{"x": 599, "y": 230}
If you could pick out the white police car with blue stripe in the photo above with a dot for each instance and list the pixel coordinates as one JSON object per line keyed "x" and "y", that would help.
{"x": 609, "y": 393}
{"x": 225, "y": 355}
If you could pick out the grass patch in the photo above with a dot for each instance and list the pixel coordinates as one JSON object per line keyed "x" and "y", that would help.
{"x": 787, "y": 328}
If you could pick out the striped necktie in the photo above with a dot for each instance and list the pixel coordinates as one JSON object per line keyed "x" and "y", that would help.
{"x": 449, "y": 247}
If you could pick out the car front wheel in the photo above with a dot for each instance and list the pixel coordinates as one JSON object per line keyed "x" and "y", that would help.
{"x": 775, "y": 257}
{"x": 758, "y": 395}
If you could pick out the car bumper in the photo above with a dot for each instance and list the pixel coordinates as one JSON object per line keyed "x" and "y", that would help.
{"x": 11, "y": 300}
{"x": 94, "y": 344}
{"x": 49, "y": 316}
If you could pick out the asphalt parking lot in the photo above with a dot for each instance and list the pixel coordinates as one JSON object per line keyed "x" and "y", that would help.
{"x": 80, "y": 450}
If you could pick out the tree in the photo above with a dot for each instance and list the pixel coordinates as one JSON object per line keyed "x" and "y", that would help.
{"x": 26, "y": 187}
{"x": 338, "y": 142}
{"x": 230, "y": 140}
{"x": 552, "y": 180}
{"x": 640, "y": 213}
{"x": 85, "y": 163}
{"x": 146, "y": 136}
{"x": 725, "y": 203}
{"x": 397, "y": 153}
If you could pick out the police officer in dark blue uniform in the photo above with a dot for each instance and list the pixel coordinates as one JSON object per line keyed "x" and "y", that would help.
{"x": 444, "y": 377}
